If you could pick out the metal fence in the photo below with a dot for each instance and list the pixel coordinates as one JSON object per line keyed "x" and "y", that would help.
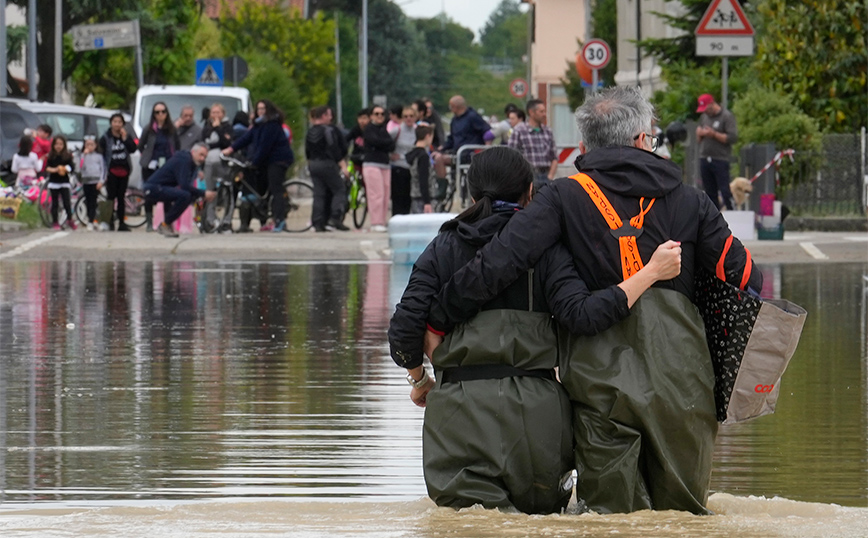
{"x": 828, "y": 183}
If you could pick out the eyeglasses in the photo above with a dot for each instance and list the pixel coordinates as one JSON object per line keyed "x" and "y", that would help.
{"x": 655, "y": 140}
{"x": 163, "y": 111}
{"x": 376, "y": 113}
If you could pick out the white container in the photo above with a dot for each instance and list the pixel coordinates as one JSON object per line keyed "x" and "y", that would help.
{"x": 409, "y": 235}
{"x": 742, "y": 224}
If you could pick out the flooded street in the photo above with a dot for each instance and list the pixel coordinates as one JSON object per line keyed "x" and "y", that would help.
{"x": 259, "y": 399}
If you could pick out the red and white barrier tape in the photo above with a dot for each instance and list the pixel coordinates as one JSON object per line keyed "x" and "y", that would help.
{"x": 777, "y": 160}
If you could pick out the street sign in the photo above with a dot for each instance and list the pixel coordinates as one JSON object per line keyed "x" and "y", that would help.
{"x": 235, "y": 69}
{"x": 209, "y": 72}
{"x": 518, "y": 88}
{"x": 107, "y": 35}
{"x": 724, "y": 31}
{"x": 597, "y": 53}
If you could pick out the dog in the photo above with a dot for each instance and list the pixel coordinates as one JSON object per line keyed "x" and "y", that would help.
{"x": 740, "y": 187}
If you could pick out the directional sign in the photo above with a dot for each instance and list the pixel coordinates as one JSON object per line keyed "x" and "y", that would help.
{"x": 724, "y": 31}
{"x": 518, "y": 88}
{"x": 597, "y": 53}
{"x": 209, "y": 72}
{"x": 108, "y": 35}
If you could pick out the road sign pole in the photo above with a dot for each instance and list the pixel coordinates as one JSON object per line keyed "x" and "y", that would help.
{"x": 140, "y": 70}
{"x": 595, "y": 79}
{"x": 31, "y": 50}
{"x": 724, "y": 82}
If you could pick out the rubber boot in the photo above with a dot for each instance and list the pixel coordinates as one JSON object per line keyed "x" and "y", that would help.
{"x": 245, "y": 213}
{"x": 149, "y": 222}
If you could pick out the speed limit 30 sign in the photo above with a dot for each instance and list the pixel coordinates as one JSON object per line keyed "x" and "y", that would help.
{"x": 597, "y": 53}
{"x": 518, "y": 88}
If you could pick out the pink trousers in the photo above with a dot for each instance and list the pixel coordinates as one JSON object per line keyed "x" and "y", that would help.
{"x": 378, "y": 186}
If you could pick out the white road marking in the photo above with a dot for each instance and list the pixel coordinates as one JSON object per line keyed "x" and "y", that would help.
{"x": 813, "y": 251}
{"x": 858, "y": 238}
{"x": 30, "y": 244}
{"x": 368, "y": 250}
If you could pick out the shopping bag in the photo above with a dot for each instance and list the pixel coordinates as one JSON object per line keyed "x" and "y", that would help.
{"x": 751, "y": 341}
{"x": 104, "y": 210}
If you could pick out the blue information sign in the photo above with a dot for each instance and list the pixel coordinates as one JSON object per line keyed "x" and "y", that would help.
{"x": 209, "y": 72}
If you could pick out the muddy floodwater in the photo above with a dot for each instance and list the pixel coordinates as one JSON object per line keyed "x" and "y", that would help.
{"x": 259, "y": 399}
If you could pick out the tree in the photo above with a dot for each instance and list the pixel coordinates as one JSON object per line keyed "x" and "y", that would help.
{"x": 815, "y": 50}
{"x": 268, "y": 80}
{"x": 397, "y": 59}
{"x": 505, "y": 33}
{"x": 446, "y": 43}
{"x": 304, "y": 48}
{"x": 769, "y": 117}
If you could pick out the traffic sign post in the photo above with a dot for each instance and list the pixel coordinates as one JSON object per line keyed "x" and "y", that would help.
{"x": 110, "y": 35}
{"x": 518, "y": 88}
{"x": 724, "y": 31}
{"x": 209, "y": 72}
{"x": 597, "y": 54}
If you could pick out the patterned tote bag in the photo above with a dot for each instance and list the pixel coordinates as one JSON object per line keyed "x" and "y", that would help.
{"x": 751, "y": 341}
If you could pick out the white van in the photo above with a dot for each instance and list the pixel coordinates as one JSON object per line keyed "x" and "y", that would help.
{"x": 199, "y": 97}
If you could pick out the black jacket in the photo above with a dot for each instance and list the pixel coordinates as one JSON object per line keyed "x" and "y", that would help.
{"x": 565, "y": 213}
{"x": 324, "y": 143}
{"x": 268, "y": 143}
{"x": 378, "y": 144}
{"x": 557, "y": 289}
{"x": 222, "y": 138}
{"x": 180, "y": 172}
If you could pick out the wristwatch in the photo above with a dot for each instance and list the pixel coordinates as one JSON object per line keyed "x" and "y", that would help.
{"x": 418, "y": 384}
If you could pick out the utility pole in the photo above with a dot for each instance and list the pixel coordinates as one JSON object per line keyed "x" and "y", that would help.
{"x": 364, "y": 58}
{"x": 58, "y": 50}
{"x": 338, "y": 101}
{"x": 4, "y": 62}
{"x": 31, "y": 50}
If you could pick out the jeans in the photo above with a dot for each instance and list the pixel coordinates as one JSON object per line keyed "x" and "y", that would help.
{"x": 715, "y": 177}
{"x": 175, "y": 200}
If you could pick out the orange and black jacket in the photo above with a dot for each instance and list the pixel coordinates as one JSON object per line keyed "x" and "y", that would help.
{"x": 564, "y": 212}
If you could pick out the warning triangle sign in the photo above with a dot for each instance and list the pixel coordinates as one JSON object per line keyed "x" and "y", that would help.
{"x": 209, "y": 76}
{"x": 724, "y": 18}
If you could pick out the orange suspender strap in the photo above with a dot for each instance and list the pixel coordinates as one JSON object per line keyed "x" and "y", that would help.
{"x": 748, "y": 264}
{"x": 720, "y": 272}
{"x": 631, "y": 262}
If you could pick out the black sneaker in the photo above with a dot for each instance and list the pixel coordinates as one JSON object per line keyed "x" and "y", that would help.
{"x": 338, "y": 225}
{"x": 124, "y": 228}
{"x": 321, "y": 229}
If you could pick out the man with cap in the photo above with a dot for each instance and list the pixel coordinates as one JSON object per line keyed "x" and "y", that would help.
{"x": 715, "y": 134}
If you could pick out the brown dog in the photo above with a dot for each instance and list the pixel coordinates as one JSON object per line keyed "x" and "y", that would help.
{"x": 740, "y": 187}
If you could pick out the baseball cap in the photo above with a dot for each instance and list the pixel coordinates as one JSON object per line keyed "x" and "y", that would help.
{"x": 704, "y": 100}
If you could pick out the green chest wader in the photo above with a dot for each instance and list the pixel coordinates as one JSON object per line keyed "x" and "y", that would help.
{"x": 642, "y": 392}
{"x": 497, "y": 425}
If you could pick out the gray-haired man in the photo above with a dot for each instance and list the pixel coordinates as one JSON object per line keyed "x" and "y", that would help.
{"x": 643, "y": 404}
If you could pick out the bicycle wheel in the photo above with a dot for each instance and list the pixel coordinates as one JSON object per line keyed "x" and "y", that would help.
{"x": 299, "y": 206}
{"x": 360, "y": 211}
{"x": 134, "y": 208}
{"x": 80, "y": 208}
{"x": 224, "y": 206}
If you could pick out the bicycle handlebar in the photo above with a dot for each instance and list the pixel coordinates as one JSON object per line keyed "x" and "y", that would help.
{"x": 236, "y": 161}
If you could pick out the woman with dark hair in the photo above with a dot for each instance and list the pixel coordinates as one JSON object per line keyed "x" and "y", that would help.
{"x": 272, "y": 155}
{"x": 376, "y": 170}
{"x": 158, "y": 143}
{"x": 497, "y": 428}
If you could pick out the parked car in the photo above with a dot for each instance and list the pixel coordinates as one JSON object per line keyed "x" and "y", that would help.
{"x": 13, "y": 121}
{"x": 74, "y": 122}
{"x": 199, "y": 97}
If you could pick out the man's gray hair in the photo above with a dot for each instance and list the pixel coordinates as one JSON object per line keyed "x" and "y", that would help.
{"x": 613, "y": 117}
{"x": 198, "y": 145}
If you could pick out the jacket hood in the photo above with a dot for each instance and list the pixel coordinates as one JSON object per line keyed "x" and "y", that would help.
{"x": 482, "y": 231}
{"x": 630, "y": 171}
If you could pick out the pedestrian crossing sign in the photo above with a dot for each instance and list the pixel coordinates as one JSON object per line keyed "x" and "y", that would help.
{"x": 209, "y": 72}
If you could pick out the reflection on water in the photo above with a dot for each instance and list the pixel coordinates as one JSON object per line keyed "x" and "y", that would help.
{"x": 141, "y": 385}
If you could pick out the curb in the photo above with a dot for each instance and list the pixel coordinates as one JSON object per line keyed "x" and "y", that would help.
{"x": 826, "y": 224}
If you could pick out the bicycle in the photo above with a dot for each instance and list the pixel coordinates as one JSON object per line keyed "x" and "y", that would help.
{"x": 356, "y": 197}
{"x": 299, "y": 197}
{"x": 134, "y": 206}
{"x": 456, "y": 182}
{"x": 224, "y": 208}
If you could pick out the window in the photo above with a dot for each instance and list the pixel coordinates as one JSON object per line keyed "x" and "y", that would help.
{"x": 198, "y": 102}
{"x": 69, "y": 125}
{"x": 13, "y": 125}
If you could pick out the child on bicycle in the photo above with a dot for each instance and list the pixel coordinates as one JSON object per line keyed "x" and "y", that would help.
{"x": 420, "y": 171}
{"x": 59, "y": 166}
{"x": 93, "y": 174}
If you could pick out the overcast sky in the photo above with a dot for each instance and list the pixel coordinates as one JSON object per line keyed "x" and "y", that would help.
{"x": 469, "y": 13}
